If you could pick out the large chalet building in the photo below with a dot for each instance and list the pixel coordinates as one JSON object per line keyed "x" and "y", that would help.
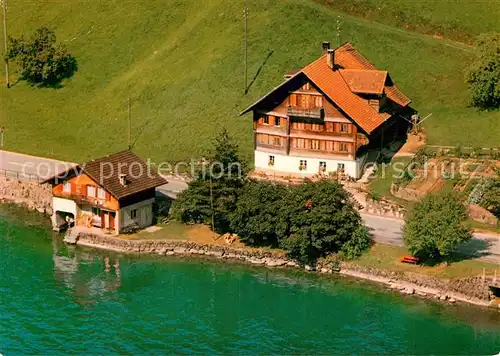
{"x": 325, "y": 117}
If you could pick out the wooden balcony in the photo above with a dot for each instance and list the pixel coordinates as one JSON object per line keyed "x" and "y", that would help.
{"x": 312, "y": 113}
{"x": 310, "y": 153}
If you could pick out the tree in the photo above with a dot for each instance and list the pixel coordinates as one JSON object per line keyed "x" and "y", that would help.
{"x": 42, "y": 61}
{"x": 434, "y": 226}
{"x": 217, "y": 183}
{"x": 256, "y": 219}
{"x": 483, "y": 76}
{"x": 321, "y": 220}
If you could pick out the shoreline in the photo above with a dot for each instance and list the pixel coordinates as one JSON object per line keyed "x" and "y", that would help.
{"x": 404, "y": 284}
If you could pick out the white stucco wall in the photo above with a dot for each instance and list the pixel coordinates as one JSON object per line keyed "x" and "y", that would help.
{"x": 291, "y": 164}
{"x": 64, "y": 205}
{"x": 144, "y": 215}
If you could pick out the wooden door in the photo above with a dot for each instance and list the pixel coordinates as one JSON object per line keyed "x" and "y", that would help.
{"x": 111, "y": 221}
{"x": 103, "y": 223}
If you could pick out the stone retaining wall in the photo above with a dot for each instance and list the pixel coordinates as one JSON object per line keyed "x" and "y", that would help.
{"x": 180, "y": 247}
{"x": 30, "y": 194}
{"x": 472, "y": 289}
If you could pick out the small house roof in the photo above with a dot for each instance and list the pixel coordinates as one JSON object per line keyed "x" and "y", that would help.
{"x": 106, "y": 172}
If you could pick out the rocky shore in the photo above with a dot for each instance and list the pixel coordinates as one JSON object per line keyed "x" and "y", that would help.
{"x": 30, "y": 194}
{"x": 472, "y": 290}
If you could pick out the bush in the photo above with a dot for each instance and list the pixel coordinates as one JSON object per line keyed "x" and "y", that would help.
{"x": 320, "y": 220}
{"x": 482, "y": 76}
{"x": 434, "y": 226}
{"x": 42, "y": 62}
{"x": 256, "y": 219}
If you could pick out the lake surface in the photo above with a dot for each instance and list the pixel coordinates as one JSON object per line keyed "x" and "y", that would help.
{"x": 58, "y": 299}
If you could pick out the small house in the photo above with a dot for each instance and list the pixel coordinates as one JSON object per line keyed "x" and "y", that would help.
{"x": 112, "y": 193}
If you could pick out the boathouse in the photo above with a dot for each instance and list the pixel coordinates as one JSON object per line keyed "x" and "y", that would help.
{"x": 112, "y": 193}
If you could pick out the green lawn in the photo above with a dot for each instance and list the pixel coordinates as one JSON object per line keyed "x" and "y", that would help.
{"x": 460, "y": 20}
{"x": 387, "y": 257}
{"x": 182, "y": 66}
{"x": 385, "y": 176}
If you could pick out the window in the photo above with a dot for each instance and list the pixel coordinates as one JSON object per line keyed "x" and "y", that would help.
{"x": 315, "y": 144}
{"x": 133, "y": 213}
{"x": 271, "y": 161}
{"x": 344, "y": 147}
{"x": 276, "y": 141}
{"x": 277, "y": 121}
{"x": 340, "y": 167}
{"x": 299, "y": 143}
{"x": 303, "y": 165}
{"x": 344, "y": 128}
{"x": 66, "y": 187}
{"x": 322, "y": 166}
{"x": 101, "y": 193}
{"x": 265, "y": 119}
{"x": 90, "y": 191}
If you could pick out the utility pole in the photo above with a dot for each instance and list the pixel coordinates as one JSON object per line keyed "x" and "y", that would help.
{"x": 338, "y": 30}
{"x": 246, "y": 46}
{"x": 129, "y": 125}
{"x": 212, "y": 201}
{"x": 4, "y": 10}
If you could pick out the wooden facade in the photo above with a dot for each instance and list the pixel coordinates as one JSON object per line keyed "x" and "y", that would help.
{"x": 330, "y": 133}
{"x": 84, "y": 189}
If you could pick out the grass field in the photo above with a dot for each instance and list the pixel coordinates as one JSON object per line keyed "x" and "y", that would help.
{"x": 460, "y": 20}
{"x": 387, "y": 257}
{"x": 181, "y": 63}
{"x": 385, "y": 176}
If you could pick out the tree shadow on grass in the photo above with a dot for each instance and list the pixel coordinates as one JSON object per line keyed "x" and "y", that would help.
{"x": 259, "y": 70}
{"x": 475, "y": 248}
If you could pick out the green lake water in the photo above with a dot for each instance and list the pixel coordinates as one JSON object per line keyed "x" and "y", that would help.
{"x": 56, "y": 299}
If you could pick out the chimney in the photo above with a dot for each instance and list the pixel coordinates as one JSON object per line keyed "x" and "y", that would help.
{"x": 325, "y": 46}
{"x": 330, "y": 58}
{"x": 123, "y": 179}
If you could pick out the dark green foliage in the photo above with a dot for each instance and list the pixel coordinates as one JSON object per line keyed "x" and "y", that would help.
{"x": 221, "y": 177}
{"x": 42, "y": 61}
{"x": 257, "y": 219}
{"x": 483, "y": 75}
{"x": 491, "y": 197}
{"x": 320, "y": 220}
{"x": 434, "y": 226}
{"x": 359, "y": 242}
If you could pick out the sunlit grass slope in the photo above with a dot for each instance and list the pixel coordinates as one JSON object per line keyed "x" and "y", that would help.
{"x": 181, "y": 63}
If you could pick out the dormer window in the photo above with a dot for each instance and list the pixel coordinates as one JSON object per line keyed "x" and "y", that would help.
{"x": 265, "y": 119}
{"x": 344, "y": 128}
{"x": 277, "y": 121}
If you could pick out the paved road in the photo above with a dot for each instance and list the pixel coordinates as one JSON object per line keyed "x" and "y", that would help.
{"x": 31, "y": 165}
{"x": 388, "y": 231}
{"x": 384, "y": 230}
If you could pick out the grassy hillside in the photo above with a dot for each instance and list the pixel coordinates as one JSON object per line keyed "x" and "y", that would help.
{"x": 460, "y": 20}
{"x": 181, "y": 64}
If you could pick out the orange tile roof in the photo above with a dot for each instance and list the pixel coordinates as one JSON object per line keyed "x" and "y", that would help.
{"x": 349, "y": 58}
{"x": 356, "y": 75}
{"x": 334, "y": 86}
{"x": 365, "y": 81}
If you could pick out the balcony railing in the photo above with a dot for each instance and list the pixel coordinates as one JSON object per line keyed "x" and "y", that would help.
{"x": 313, "y": 113}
